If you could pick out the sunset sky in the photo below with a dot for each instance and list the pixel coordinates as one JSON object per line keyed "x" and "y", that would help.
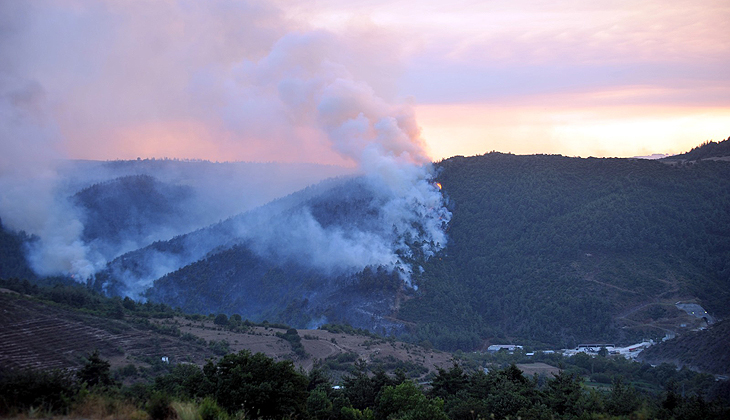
{"x": 242, "y": 80}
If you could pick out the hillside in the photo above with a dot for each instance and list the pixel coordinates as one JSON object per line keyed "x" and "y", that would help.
{"x": 12, "y": 257}
{"x": 707, "y": 150}
{"x": 267, "y": 276}
{"x": 547, "y": 250}
{"x": 558, "y": 250}
{"x": 132, "y": 208}
{"x": 259, "y": 290}
{"x": 124, "y": 357}
{"x": 704, "y": 350}
{"x": 61, "y": 326}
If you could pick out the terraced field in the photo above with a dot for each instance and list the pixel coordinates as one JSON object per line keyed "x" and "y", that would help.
{"x": 39, "y": 335}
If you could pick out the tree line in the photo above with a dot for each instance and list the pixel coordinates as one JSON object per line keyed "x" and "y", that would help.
{"x": 253, "y": 386}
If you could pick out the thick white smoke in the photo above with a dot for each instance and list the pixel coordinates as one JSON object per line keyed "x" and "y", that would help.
{"x": 301, "y": 81}
{"x": 238, "y": 78}
{"x": 29, "y": 193}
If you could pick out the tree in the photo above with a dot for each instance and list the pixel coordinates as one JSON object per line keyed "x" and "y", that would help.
{"x": 95, "y": 371}
{"x": 319, "y": 405}
{"x": 359, "y": 388}
{"x": 449, "y": 382}
{"x": 221, "y": 319}
{"x": 623, "y": 399}
{"x": 406, "y": 401}
{"x": 564, "y": 393}
{"x": 258, "y": 384}
{"x": 185, "y": 381}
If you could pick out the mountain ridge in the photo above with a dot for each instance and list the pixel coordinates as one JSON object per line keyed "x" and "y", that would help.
{"x": 543, "y": 249}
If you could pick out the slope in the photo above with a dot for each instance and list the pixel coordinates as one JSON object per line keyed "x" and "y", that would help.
{"x": 58, "y": 327}
{"x": 547, "y": 250}
{"x": 296, "y": 266}
{"x": 704, "y": 350}
{"x": 556, "y": 250}
{"x": 131, "y": 208}
{"x": 707, "y": 150}
{"x": 12, "y": 257}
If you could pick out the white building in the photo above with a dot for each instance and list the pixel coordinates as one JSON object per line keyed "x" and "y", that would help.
{"x": 497, "y": 347}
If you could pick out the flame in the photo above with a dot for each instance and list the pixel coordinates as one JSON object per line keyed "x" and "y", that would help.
{"x": 438, "y": 185}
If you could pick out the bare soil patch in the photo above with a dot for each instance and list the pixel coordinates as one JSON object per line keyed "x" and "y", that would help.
{"x": 540, "y": 369}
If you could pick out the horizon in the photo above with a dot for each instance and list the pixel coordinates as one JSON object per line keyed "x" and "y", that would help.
{"x": 244, "y": 80}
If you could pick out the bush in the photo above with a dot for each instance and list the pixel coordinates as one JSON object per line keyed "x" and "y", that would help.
{"x": 258, "y": 384}
{"x": 601, "y": 378}
{"x": 221, "y": 319}
{"x": 96, "y": 406}
{"x": 185, "y": 381}
{"x": 159, "y": 408}
{"x": 292, "y": 336}
{"x": 52, "y": 391}
{"x": 209, "y": 410}
{"x": 220, "y": 348}
{"x": 186, "y": 410}
{"x": 96, "y": 371}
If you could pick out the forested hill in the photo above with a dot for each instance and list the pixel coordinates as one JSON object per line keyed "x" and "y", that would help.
{"x": 547, "y": 251}
{"x": 131, "y": 206}
{"x": 707, "y": 150}
{"x": 561, "y": 250}
{"x": 12, "y": 257}
{"x": 704, "y": 350}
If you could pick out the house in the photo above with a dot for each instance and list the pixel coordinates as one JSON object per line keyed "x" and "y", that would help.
{"x": 497, "y": 347}
{"x": 594, "y": 348}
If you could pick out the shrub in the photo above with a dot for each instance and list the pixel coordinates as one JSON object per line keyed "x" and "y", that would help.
{"x": 53, "y": 390}
{"x": 258, "y": 384}
{"x": 159, "y": 408}
{"x": 209, "y": 410}
{"x": 221, "y": 319}
{"x": 97, "y": 406}
{"x": 96, "y": 371}
{"x": 186, "y": 410}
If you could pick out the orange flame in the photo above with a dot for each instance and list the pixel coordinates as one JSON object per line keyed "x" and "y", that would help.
{"x": 438, "y": 184}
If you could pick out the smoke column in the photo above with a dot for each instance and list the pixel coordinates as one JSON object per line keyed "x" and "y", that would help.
{"x": 221, "y": 79}
{"x": 383, "y": 139}
{"x": 29, "y": 198}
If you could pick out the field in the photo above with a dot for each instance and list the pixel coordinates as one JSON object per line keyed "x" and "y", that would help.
{"x": 39, "y": 335}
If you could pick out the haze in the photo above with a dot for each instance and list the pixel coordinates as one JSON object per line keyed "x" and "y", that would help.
{"x": 120, "y": 80}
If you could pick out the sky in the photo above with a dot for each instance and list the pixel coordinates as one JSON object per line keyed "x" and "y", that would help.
{"x": 250, "y": 80}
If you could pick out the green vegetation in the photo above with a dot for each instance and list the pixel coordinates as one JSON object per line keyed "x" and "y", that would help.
{"x": 12, "y": 256}
{"x": 246, "y": 385}
{"x": 85, "y": 299}
{"x": 710, "y": 149}
{"x": 706, "y": 350}
{"x": 292, "y": 336}
{"x": 126, "y": 207}
{"x": 600, "y": 372}
{"x": 551, "y": 250}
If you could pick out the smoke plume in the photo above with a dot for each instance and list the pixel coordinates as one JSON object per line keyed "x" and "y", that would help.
{"x": 220, "y": 79}
{"x": 382, "y": 138}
